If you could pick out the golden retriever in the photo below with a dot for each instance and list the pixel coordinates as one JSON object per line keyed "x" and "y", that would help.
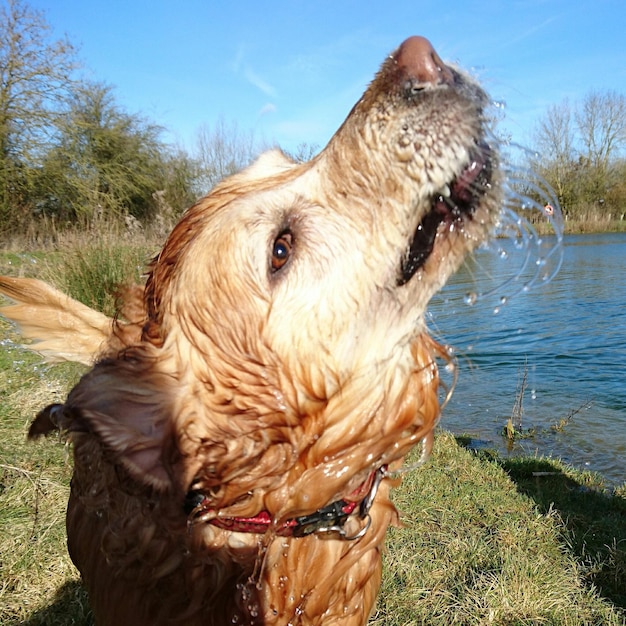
{"x": 235, "y": 441}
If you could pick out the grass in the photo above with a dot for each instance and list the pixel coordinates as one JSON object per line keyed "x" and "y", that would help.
{"x": 89, "y": 268}
{"x": 483, "y": 546}
{"x": 486, "y": 540}
{"x": 34, "y": 486}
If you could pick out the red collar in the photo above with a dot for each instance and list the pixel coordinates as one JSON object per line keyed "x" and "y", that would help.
{"x": 330, "y": 518}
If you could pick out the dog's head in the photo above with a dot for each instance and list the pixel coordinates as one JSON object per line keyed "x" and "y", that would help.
{"x": 285, "y": 356}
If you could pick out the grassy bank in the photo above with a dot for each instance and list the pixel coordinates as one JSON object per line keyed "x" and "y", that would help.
{"x": 593, "y": 225}
{"x": 486, "y": 540}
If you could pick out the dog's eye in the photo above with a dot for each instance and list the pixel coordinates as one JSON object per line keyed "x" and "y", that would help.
{"x": 281, "y": 250}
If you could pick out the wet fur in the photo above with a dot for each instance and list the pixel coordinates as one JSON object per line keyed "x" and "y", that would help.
{"x": 267, "y": 390}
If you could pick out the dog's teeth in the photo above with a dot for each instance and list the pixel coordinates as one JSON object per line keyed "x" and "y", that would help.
{"x": 445, "y": 191}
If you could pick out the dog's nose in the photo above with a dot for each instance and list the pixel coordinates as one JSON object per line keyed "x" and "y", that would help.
{"x": 417, "y": 57}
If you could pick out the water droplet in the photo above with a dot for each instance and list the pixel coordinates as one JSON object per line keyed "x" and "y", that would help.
{"x": 470, "y": 298}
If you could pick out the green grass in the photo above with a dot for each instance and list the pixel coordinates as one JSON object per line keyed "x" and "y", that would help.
{"x": 93, "y": 274}
{"x": 34, "y": 486}
{"x": 479, "y": 547}
{"x": 486, "y": 540}
{"x": 88, "y": 267}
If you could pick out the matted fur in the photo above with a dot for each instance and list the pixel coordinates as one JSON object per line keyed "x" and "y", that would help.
{"x": 277, "y": 389}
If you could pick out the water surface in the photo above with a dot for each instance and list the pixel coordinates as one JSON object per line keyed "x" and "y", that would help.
{"x": 568, "y": 335}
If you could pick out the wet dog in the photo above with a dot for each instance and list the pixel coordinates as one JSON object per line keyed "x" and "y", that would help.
{"x": 234, "y": 441}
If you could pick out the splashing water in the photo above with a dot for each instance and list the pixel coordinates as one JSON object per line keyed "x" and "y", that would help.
{"x": 517, "y": 258}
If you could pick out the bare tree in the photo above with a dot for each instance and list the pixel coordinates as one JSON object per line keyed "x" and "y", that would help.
{"x": 35, "y": 78}
{"x": 601, "y": 121}
{"x": 554, "y": 138}
{"x": 223, "y": 150}
{"x": 304, "y": 152}
{"x": 581, "y": 151}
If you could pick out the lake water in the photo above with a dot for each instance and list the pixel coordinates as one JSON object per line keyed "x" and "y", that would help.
{"x": 570, "y": 337}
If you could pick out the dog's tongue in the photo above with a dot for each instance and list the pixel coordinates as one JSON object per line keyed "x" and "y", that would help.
{"x": 467, "y": 187}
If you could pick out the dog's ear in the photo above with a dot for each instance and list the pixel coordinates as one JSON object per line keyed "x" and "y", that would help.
{"x": 125, "y": 404}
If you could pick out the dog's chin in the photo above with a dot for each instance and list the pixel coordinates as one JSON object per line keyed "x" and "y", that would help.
{"x": 453, "y": 205}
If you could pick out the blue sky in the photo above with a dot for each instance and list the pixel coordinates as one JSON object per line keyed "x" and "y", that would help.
{"x": 290, "y": 71}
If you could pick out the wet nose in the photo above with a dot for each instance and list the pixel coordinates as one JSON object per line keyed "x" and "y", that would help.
{"x": 417, "y": 57}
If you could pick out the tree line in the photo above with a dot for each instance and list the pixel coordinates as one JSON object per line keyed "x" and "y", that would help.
{"x": 581, "y": 155}
{"x": 71, "y": 155}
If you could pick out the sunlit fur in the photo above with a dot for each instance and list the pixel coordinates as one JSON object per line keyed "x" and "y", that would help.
{"x": 278, "y": 391}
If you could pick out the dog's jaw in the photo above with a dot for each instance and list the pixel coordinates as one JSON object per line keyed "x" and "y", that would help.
{"x": 451, "y": 208}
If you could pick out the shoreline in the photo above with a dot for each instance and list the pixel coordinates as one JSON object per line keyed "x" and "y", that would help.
{"x": 66, "y": 238}
{"x": 571, "y": 227}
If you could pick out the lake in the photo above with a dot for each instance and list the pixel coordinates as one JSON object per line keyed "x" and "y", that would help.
{"x": 569, "y": 335}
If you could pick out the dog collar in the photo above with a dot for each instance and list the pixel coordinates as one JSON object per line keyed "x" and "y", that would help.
{"x": 330, "y": 518}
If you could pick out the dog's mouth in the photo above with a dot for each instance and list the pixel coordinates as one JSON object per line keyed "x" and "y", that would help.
{"x": 454, "y": 204}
